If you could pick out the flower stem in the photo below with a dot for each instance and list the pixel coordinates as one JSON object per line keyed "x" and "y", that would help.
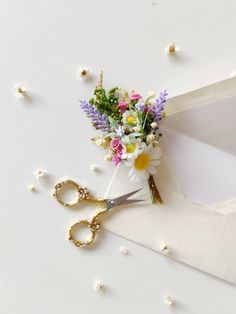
{"x": 156, "y": 198}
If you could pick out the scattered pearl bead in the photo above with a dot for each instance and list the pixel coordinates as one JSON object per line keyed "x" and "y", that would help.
{"x": 20, "y": 91}
{"x": 172, "y": 48}
{"x": 94, "y": 167}
{"x": 83, "y": 73}
{"x": 40, "y": 173}
{"x": 164, "y": 248}
{"x": 169, "y": 301}
{"x": 124, "y": 250}
{"x": 31, "y": 188}
{"x": 98, "y": 286}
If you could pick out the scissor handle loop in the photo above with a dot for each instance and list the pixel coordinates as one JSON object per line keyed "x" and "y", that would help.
{"x": 82, "y": 193}
{"x": 94, "y": 226}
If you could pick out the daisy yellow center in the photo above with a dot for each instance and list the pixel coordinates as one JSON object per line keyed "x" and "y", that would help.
{"x": 142, "y": 162}
{"x": 130, "y": 148}
{"x": 130, "y": 119}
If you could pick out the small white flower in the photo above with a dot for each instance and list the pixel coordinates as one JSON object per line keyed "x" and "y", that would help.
{"x": 130, "y": 118}
{"x": 83, "y": 73}
{"x": 169, "y": 301}
{"x": 124, "y": 250}
{"x": 164, "y": 248}
{"x": 151, "y": 138}
{"x": 98, "y": 286}
{"x": 151, "y": 93}
{"x": 144, "y": 163}
{"x": 31, "y": 188}
{"x": 20, "y": 91}
{"x": 172, "y": 48}
{"x": 101, "y": 141}
{"x": 153, "y": 125}
{"x": 40, "y": 173}
{"x": 120, "y": 131}
{"x": 137, "y": 129}
{"x": 108, "y": 157}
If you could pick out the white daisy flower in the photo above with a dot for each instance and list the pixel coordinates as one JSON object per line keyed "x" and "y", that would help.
{"x": 144, "y": 163}
{"x": 172, "y": 48}
{"x": 132, "y": 148}
{"x": 130, "y": 118}
{"x": 20, "y": 91}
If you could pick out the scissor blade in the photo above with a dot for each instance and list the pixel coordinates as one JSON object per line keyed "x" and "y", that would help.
{"x": 127, "y": 202}
{"x": 121, "y": 199}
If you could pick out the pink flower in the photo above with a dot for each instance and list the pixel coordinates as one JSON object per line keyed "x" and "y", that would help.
{"x": 135, "y": 96}
{"x": 116, "y": 160}
{"x": 119, "y": 150}
{"x": 122, "y": 106}
{"x": 115, "y": 142}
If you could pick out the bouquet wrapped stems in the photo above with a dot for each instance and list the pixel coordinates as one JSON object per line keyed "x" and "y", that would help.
{"x": 129, "y": 126}
{"x": 156, "y": 197}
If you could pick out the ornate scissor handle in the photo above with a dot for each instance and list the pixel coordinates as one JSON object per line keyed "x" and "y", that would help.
{"x": 94, "y": 225}
{"x": 82, "y": 193}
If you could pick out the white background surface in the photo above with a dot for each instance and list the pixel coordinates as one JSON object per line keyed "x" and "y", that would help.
{"x": 42, "y": 45}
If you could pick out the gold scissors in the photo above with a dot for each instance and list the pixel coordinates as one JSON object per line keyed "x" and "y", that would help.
{"x": 95, "y": 223}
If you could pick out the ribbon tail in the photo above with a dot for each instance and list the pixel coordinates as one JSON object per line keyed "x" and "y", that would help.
{"x": 156, "y": 197}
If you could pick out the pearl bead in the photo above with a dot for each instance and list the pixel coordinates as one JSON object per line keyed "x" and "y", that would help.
{"x": 123, "y": 250}
{"x": 20, "y": 91}
{"x": 83, "y": 73}
{"x": 94, "y": 167}
{"x": 98, "y": 286}
{"x": 40, "y": 173}
{"x": 164, "y": 248}
{"x": 172, "y": 48}
{"x": 31, "y": 187}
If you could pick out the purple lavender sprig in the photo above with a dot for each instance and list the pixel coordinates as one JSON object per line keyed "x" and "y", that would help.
{"x": 100, "y": 121}
{"x": 158, "y": 106}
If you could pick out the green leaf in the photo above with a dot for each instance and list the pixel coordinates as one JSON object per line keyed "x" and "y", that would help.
{"x": 125, "y": 139}
{"x": 111, "y": 134}
{"x": 140, "y": 117}
{"x": 113, "y": 123}
{"x": 135, "y": 134}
